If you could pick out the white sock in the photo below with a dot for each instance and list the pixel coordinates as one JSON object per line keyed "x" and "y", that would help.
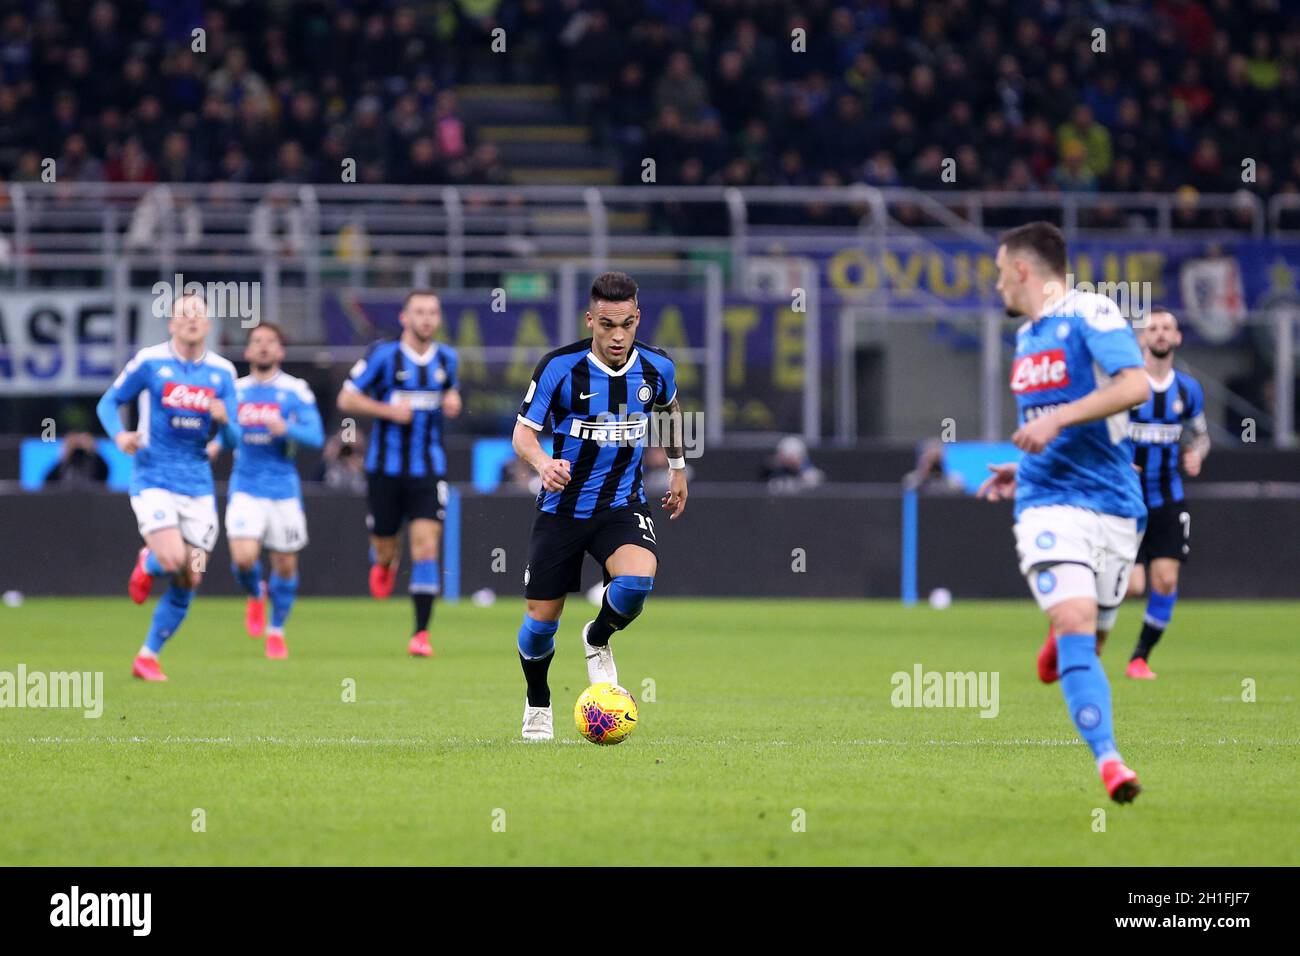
{"x": 145, "y": 652}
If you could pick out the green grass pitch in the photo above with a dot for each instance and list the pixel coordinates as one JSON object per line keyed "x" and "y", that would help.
{"x": 762, "y": 709}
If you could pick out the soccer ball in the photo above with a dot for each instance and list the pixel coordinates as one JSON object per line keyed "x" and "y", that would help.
{"x": 605, "y": 714}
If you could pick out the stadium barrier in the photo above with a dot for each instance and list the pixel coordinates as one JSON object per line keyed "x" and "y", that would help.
{"x": 736, "y": 540}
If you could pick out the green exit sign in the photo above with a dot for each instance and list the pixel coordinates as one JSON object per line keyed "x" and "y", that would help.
{"x": 528, "y": 285}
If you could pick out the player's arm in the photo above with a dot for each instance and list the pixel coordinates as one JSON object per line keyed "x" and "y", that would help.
{"x": 1196, "y": 435}
{"x": 228, "y": 430}
{"x": 451, "y": 400}
{"x": 1114, "y": 348}
{"x": 304, "y": 426}
{"x": 554, "y": 472}
{"x": 674, "y": 502}
{"x": 533, "y": 411}
{"x": 124, "y": 390}
{"x": 355, "y": 399}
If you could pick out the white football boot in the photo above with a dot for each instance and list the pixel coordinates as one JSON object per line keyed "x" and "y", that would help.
{"x": 538, "y": 724}
{"x": 600, "y": 661}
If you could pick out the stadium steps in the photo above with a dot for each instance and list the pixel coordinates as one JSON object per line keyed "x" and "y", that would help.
{"x": 533, "y": 132}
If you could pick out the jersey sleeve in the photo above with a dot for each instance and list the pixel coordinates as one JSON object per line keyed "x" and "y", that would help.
{"x": 305, "y": 425}
{"x": 1196, "y": 401}
{"x": 667, "y": 383}
{"x": 1109, "y": 338}
{"x": 132, "y": 380}
{"x": 541, "y": 392}
{"x": 453, "y": 369}
{"x": 229, "y": 432}
{"x": 365, "y": 374}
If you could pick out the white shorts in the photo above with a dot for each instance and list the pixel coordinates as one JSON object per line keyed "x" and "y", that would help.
{"x": 158, "y": 508}
{"x": 1102, "y": 546}
{"x": 278, "y": 523}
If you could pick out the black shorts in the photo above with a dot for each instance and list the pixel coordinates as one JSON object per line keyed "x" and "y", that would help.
{"x": 393, "y": 499}
{"x": 1168, "y": 534}
{"x": 558, "y": 543}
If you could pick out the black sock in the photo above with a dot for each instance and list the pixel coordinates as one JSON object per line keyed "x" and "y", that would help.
{"x": 539, "y": 692}
{"x": 607, "y": 622}
{"x": 423, "y": 611}
{"x": 1147, "y": 641}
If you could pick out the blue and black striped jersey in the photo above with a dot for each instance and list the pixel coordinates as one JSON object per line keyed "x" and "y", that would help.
{"x": 391, "y": 372}
{"x": 600, "y": 418}
{"x": 1157, "y": 429}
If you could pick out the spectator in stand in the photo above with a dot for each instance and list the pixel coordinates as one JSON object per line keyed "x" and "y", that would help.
{"x": 108, "y": 90}
{"x": 790, "y": 470}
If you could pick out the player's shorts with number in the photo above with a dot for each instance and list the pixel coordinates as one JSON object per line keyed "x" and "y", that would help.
{"x": 196, "y": 517}
{"x": 1104, "y": 546}
{"x": 1169, "y": 533}
{"x": 393, "y": 499}
{"x": 278, "y": 523}
{"x": 559, "y": 543}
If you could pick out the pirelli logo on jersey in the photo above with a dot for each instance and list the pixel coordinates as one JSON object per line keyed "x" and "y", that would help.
{"x": 1150, "y": 434}
{"x": 419, "y": 401}
{"x": 1039, "y": 372}
{"x": 611, "y": 431}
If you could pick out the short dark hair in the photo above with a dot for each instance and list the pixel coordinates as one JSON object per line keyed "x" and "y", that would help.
{"x": 1041, "y": 238}
{"x": 413, "y": 293}
{"x": 1161, "y": 307}
{"x": 279, "y": 332}
{"x": 614, "y": 287}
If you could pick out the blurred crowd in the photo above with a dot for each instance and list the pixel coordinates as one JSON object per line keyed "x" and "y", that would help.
{"x": 1123, "y": 95}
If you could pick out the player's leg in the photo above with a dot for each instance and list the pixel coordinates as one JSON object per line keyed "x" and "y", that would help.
{"x": 425, "y": 510}
{"x": 1167, "y": 543}
{"x": 1159, "y": 612}
{"x": 163, "y": 553}
{"x": 286, "y": 535}
{"x": 426, "y": 580}
{"x": 246, "y": 565}
{"x": 556, "y": 549}
{"x": 174, "y": 604}
{"x": 1137, "y": 582}
{"x": 1083, "y": 680}
{"x": 1058, "y": 549}
{"x": 536, "y": 642}
{"x": 625, "y": 546}
{"x": 283, "y": 591}
{"x": 384, "y": 495}
{"x": 631, "y": 573}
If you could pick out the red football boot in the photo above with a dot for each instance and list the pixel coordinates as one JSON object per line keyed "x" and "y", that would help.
{"x": 255, "y": 615}
{"x": 382, "y": 580}
{"x": 275, "y": 647}
{"x": 147, "y": 668}
{"x": 420, "y": 646}
{"x": 1047, "y": 659}
{"x": 1138, "y": 670}
{"x": 141, "y": 582}
{"x": 1121, "y": 782}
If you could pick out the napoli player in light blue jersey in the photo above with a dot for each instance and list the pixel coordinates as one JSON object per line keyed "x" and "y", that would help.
{"x": 183, "y": 391}
{"x": 277, "y": 414}
{"x": 1079, "y": 509}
